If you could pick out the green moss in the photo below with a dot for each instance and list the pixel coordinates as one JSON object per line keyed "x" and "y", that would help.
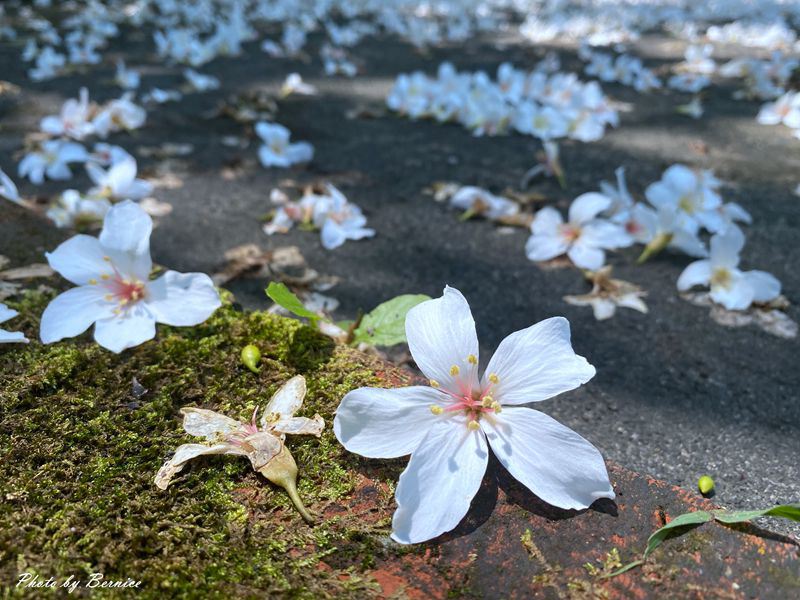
{"x": 79, "y": 452}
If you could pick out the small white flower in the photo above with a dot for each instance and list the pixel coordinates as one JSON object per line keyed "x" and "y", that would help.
{"x": 119, "y": 182}
{"x": 294, "y": 84}
{"x": 8, "y": 189}
{"x": 691, "y": 194}
{"x": 785, "y": 109}
{"x": 114, "y": 290}
{"x": 730, "y": 287}
{"x": 477, "y": 201}
{"x": 446, "y": 427}
{"x": 73, "y": 209}
{"x": 583, "y": 238}
{"x": 127, "y": 79}
{"x": 276, "y": 151}
{"x": 10, "y": 337}
{"x": 544, "y": 122}
{"x": 74, "y": 121}
{"x": 338, "y": 219}
{"x": 106, "y": 155}
{"x": 52, "y": 158}
{"x": 200, "y": 82}
{"x": 121, "y": 114}
{"x": 693, "y": 109}
{"x": 159, "y": 96}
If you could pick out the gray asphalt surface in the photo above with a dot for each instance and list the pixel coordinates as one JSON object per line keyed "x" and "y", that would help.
{"x": 676, "y": 395}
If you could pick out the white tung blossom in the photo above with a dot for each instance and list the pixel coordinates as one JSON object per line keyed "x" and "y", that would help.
{"x": 732, "y": 288}
{"x": 584, "y": 238}
{"x": 449, "y": 426}
{"x": 114, "y": 291}
{"x": 276, "y": 151}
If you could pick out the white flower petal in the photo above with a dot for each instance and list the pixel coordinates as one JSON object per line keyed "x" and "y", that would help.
{"x": 135, "y": 326}
{"x": 79, "y": 259}
{"x": 765, "y": 286}
{"x": 587, "y": 206}
{"x": 551, "y": 460}
{"x": 736, "y": 294}
{"x": 184, "y": 454}
{"x": 287, "y": 400}
{"x": 604, "y": 234}
{"x": 441, "y": 337}
{"x": 73, "y": 312}
{"x": 546, "y": 221}
{"x": 300, "y": 426}
{"x": 537, "y": 363}
{"x": 207, "y": 423}
{"x": 726, "y": 246}
{"x": 379, "y": 423}
{"x": 541, "y": 247}
{"x": 126, "y": 229}
{"x": 697, "y": 273}
{"x": 182, "y": 299}
{"x": 586, "y": 257}
{"x": 443, "y": 476}
{"x": 680, "y": 179}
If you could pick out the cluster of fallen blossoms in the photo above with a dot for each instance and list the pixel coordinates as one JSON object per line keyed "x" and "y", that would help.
{"x": 111, "y": 168}
{"x": 544, "y": 102}
{"x": 324, "y": 208}
{"x": 682, "y": 205}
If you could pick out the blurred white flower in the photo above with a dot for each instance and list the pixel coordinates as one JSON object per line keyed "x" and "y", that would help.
{"x": 276, "y": 151}
{"x": 730, "y": 287}
{"x": 584, "y": 238}
{"x": 51, "y": 159}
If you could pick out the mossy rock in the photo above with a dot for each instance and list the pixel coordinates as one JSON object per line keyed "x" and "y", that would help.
{"x": 80, "y": 451}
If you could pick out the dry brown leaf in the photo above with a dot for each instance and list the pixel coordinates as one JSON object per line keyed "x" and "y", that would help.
{"x": 27, "y": 272}
{"x": 769, "y": 317}
{"x": 285, "y": 264}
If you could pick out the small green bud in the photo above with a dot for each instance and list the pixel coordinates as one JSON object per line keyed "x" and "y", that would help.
{"x": 251, "y": 355}
{"x": 706, "y": 485}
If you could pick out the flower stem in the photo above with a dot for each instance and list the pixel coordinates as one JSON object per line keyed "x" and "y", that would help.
{"x": 282, "y": 471}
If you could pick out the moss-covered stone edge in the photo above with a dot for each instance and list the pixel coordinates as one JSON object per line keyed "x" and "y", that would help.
{"x": 79, "y": 450}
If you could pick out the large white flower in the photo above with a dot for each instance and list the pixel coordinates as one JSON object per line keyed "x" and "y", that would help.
{"x": 445, "y": 427}
{"x": 276, "y": 150}
{"x": 583, "y": 238}
{"x": 114, "y": 290}
{"x": 730, "y": 287}
{"x": 10, "y": 337}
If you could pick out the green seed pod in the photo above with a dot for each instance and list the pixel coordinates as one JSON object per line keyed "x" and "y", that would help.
{"x": 251, "y": 355}
{"x": 706, "y": 485}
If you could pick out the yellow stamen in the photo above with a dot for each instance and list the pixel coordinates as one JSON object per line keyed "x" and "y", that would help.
{"x": 107, "y": 258}
{"x": 434, "y": 384}
{"x": 472, "y": 359}
{"x": 437, "y": 410}
{"x": 473, "y": 426}
{"x": 496, "y": 407}
{"x": 93, "y": 282}
{"x": 108, "y": 297}
{"x": 105, "y": 277}
{"x": 454, "y": 370}
{"x": 487, "y": 401}
{"x": 494, "y": 378}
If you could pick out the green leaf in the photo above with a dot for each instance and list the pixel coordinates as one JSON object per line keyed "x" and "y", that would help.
{"x": 281, "y": 296}
{"x": 385, "y": 325}
{"x": 787, "y": 511}
{"x": 678, "y": 525}
{"x": 683, "y": 523}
